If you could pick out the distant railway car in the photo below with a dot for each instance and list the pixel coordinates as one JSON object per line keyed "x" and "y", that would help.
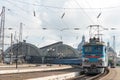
{"x": 68, "y": 61}
{"x": 112, "y": 61}
{"x": 94, "y": 56}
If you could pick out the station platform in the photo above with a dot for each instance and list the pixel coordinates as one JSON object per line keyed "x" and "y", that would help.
{"x": 57, "y": 77}
{"x": 37, "y": 72}
{"x": 8, "y": 69}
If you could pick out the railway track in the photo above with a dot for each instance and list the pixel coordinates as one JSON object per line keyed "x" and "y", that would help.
{"x": 90, "y": 77}
{"x": 113, "y": 74}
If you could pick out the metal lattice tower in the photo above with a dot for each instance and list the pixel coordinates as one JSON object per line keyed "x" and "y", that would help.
{"x": 2, "y": 25}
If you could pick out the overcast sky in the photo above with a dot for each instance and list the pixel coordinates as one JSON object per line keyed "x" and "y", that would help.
{"x": 60, "y": 17}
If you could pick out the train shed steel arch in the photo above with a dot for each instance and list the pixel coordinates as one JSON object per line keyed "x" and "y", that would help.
{"x": 59, "y": 48}
{"x": 23, "y": 49}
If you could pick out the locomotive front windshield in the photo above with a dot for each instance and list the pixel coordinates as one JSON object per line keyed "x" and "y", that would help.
{"x": 94, "y": 49}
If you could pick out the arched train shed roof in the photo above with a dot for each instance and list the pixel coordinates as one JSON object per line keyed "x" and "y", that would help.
{"x": 23, "y": 48}
{"x": 57, "y": 49}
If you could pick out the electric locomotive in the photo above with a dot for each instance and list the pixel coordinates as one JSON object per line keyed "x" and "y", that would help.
{"x": 94, "y": 56}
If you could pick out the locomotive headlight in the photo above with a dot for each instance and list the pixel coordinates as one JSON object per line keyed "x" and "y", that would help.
{"x": 100, "y": 60}
{"x": 86, "y": 60}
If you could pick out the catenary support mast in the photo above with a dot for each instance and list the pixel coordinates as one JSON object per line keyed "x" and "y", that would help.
{"x": 2, "y": 25}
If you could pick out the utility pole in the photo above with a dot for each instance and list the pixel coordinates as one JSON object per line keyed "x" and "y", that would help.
{"x": 20, "y": 32}
{"x": 114, "y": 43}
{"x": 11, "y": 51}
{"x": 2, "y": 25}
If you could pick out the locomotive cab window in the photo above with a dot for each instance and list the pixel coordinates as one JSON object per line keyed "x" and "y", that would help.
{"x": 88, "y": 49}
{"x": 93, "y": 49}
{"x": 98, "y": 48}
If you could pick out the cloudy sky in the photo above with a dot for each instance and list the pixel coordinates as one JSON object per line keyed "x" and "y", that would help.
{"x": 60, "y": 17}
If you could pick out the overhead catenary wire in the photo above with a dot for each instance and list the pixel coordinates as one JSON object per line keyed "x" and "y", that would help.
{"x": 84, "y": 11}
{"x": 17, "y": 6}
{"x": 57, "y": 7}
{"x": 24, "y": 10}
{"x": 99, "y": 14}
{"x": 41, "y": 5}
{"x": 46, "y": 7}
{"x": 10, "y": 10}
{"x": 34, "y": 12}
{"x": 59, "y": 17}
